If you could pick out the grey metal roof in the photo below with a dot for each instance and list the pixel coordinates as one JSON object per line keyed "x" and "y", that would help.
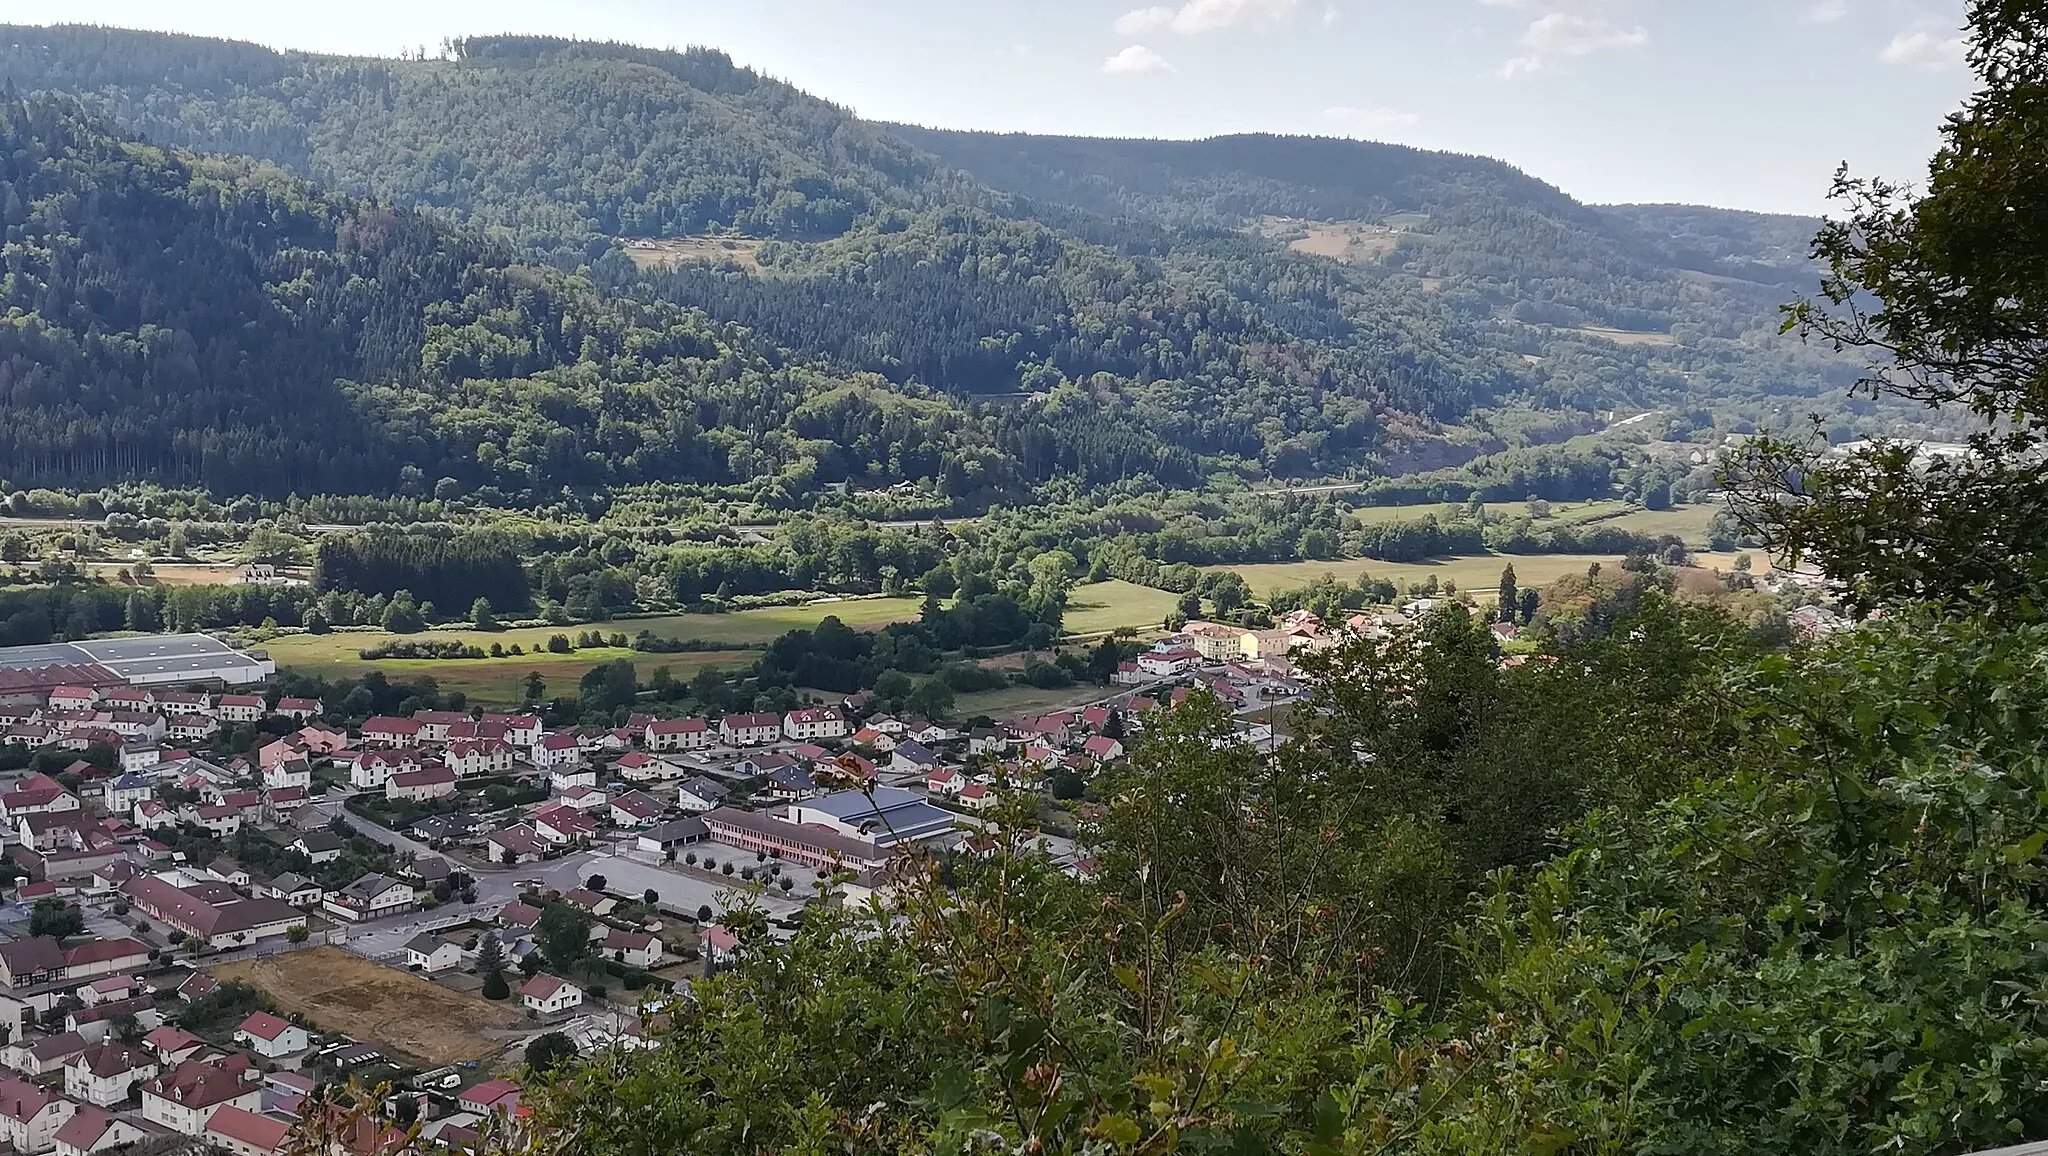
{"x": 149, "y": 658}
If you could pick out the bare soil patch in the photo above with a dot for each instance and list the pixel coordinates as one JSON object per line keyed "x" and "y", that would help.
{"x": 401, "y": 1011}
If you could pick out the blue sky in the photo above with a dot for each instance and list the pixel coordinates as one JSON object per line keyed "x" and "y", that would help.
{"x": 1741, "y": 103}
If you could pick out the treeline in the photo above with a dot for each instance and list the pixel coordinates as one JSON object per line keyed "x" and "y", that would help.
{"x": 449, "y": 572}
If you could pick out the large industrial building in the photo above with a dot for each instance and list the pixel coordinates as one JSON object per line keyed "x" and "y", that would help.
{"x": 150, "y": 660}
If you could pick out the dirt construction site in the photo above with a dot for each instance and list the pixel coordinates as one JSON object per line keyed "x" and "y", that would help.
{"x": 413, "y": 1017}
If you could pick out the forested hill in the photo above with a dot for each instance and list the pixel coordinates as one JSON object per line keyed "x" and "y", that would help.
{"x": 190, "y": 320}
{"x": 616, "y": 140}
{"x": 1096, "y": 311}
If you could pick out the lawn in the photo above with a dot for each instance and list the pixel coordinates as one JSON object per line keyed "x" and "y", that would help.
{"x": 341, "y": 992}
{"x": 1106, "y": 606}
{"x": 502, "y": 681}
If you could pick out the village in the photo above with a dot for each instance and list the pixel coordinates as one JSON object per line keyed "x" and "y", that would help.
{"x": 195, "y": 944}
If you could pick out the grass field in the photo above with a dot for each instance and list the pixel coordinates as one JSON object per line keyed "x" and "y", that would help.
{"x": 1688, "y": 522}
{"x": 341, "y": 992}
{"x": 1109, "y": 605}
{"x": 499, "y": 680}
{"x": 1022, "y": 700}
{"x": 1479, "y": 573}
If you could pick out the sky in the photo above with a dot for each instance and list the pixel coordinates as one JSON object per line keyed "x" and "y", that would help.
{"x": 1747, "y": 104}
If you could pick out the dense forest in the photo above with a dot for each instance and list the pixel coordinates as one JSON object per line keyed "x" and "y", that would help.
{"x": 1033, "y": 311}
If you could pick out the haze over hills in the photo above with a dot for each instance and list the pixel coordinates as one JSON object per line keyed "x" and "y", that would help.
{"x": 1268, "y": 306}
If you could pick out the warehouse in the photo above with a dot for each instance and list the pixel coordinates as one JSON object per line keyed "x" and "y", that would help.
{"x": 150, "y": 660}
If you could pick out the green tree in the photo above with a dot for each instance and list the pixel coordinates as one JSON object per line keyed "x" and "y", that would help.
{"x": 534, "y": 687}
{"x": 480, "y": 615}
{"x": 563, "y": 934}
{"x": 495, "y": 986}
{"x": 931, "y": 698}
{"x": 1510, "y": 599}
{"x": 54, "y": 917}
{"x": 548, "y": 1051}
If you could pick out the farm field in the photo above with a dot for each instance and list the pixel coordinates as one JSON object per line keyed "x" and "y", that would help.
{"x": 341, "y": 992}
{"x": 1479, "y": 573}
{"x": 1022, "y": 700}
{"x": 1106, "y": 606}
{"x": 500, "y": 680}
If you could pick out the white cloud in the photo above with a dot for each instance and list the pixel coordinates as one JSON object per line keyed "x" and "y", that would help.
{"x": 1136, "y": 58}
{"x": 1357, "y": 121}
{"x": 1567, "y": 34}
{"x": 1825, "y": 12}
{"x": 1926, "y": 50}
{"x": 1195, "y": 16}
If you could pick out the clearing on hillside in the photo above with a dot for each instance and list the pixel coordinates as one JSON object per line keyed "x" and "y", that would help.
{"x": 653, "y": 252}
{"x": 341, "y": 992}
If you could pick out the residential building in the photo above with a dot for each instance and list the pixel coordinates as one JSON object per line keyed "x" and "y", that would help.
{"x": 562, "y": 826}
{"x": 633, "y": 948}
{"x": 45, "y": 1056}
{"x": 431, "y": 954}
{"x": 488, "y": 1097}
{"x": 1103, "y": 748}
{"x": 817, "y": 722}
{"x": 641, "y": 767}
{"x": 240, "y": 708}
{"x": 635, "y": 809}
{"x": 185, "y": 1098}
{"x": 30, "y": 1116}
{"x": 549, "y": 995}
{"x": 106, "y": 1074}
{"x": 561, "y": 750}
{"x": 119, "y": 795}
{"x": 568, "y": 777}
{"x": 245, "y": 1133}
{"x": 700, "y": 794}
{"x": 977, "y": 797}
{"x": 419, "y": 786}
{"x": 90, "y": 1130}
{"x": 750, "y": 730}
{"x": 372, "y": 769}
{"x": 173, "y": 1045}
{"x": 472, "y": 757}
{"x": 291, "y": 772}
{"x": 28, "y": 962}
{"x": 299, "y": 709}
{"x": 513, "y": 845}
{"x": 271, "y": 1037}
{"x": 434, "y": 724}
{"x": 913, "y": 757}
{"x": 682, "y": 734}
{"x": 293, "y": 889}
{"x": 371, "y": 897}
{"x": 319, "y": 846}
{"x": 391, "y": 732}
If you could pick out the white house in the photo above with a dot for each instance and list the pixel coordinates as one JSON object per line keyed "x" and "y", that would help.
{"x": 750, "y": 730}
{"x": 421, "y": 785}
{"x": 549, "y": 995}
{"x": 561, "y": 750}
{"x": 90, "y": 1130}
{"x": 30, "y": 1116}
{"x": 633, "y": 948}
{"x": 811, "y": 723}
{"x": 185, "y": 1098}
{"x": 319, "y": 846}
{"x": 471, "y": 757}
{"x": 568, "y": 777}
{"x": 106, "y": 1073}
{"x": 682, "y": 734}
{"x": 239, "y": 708}
{"x": 432, "y": 954}
{"x": 288, "y": 773}
{"x": 271, "y": 1037}
{"x": 120, "y": 794}
{"x": 372, "y": 769}
{"x": 700, "y": 794}
{"x": 371, "y": 897}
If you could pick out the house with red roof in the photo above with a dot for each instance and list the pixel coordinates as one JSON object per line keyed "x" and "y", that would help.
{"x": 30, "y": 1116}
{"x": 814, "y": 723}
{"x": 1103, "y": 747}
{"x": 750, "y": 730}
{"x": 471, "y": 757}
{"x": 490, "y": 1096}
{"x": 977, "y": 797}
{"x": 107, "y": 1072}
{"x": 435, "y": 782}
{"x": 240, "y": 708}
{"x": 681, "y": 734}
{"x": 246, "y": 1133}
{"x": 384, "y": 731}
{"x": 561, "y": 750}
{"x": 271, "y": 1037}
{"x": 91, "y": 1130}
{"x": 550, "y": 995}
{"x": 185, "y": 1098}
